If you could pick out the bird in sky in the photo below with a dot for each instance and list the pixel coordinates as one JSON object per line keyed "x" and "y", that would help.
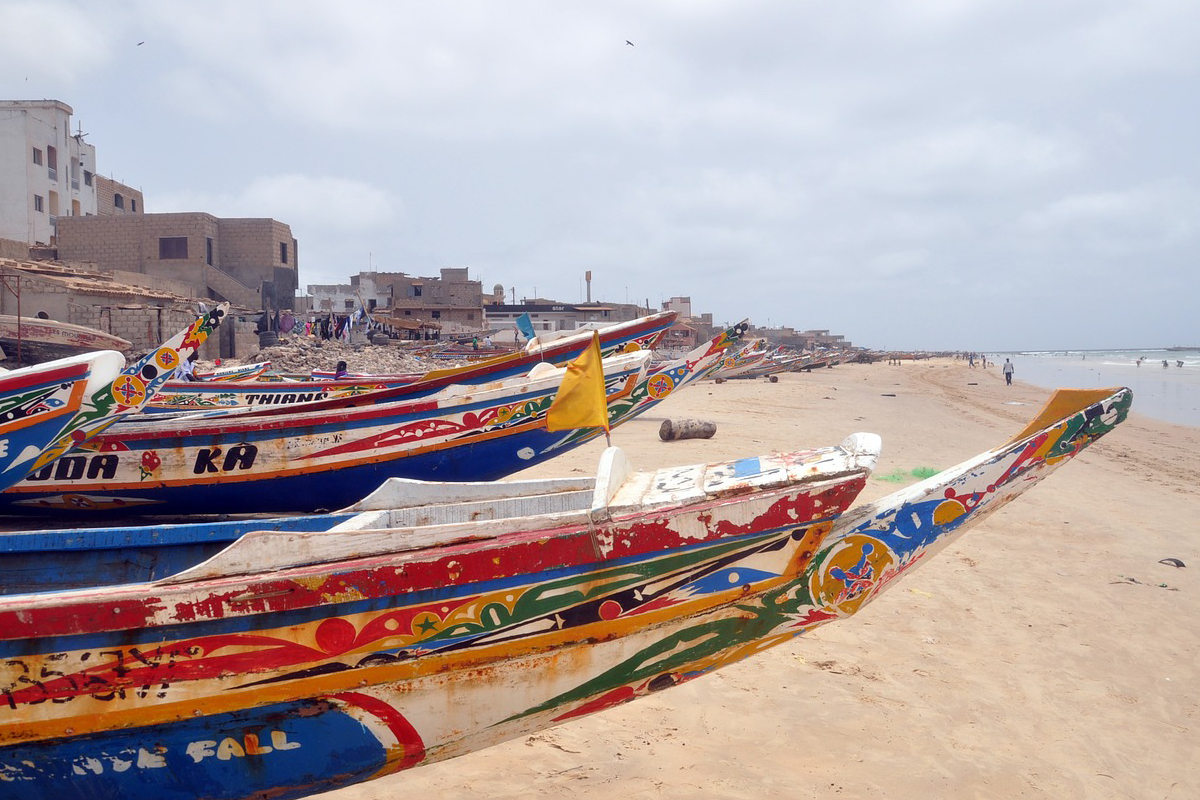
{"x": 629, "y": 43}
{"x": 139, "y": 44}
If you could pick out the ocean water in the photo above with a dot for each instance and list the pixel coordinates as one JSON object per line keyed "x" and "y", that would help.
{"x": 1170, "y": 394}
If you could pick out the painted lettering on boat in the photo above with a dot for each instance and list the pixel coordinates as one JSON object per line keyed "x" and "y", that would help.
{"x": 102, "y": 466}
{"x": 158, "y": 756}
{"x": 284, "y": 398}
{"x": 240, "y": 457}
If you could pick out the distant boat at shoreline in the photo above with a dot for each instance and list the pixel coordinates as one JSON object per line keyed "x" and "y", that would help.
{"x": 1178, "y": 349}
{"x": 33, "y": 340}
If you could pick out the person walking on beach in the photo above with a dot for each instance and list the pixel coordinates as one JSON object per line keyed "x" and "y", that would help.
{"x": 1008, "y": 372}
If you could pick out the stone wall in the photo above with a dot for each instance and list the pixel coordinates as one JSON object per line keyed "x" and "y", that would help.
{"x": 10, "y": 248}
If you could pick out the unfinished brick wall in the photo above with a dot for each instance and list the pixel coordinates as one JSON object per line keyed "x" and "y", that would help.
{"x": 106, "y": 192}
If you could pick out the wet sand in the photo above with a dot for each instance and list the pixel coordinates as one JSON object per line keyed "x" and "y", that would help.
{"x": 1037, "y": 657}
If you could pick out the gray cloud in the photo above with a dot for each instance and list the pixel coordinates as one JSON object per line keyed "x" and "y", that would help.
{"x": 960, "y": 173}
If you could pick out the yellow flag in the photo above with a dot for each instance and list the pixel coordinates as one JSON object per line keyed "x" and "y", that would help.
{"x": 581, "y": 402}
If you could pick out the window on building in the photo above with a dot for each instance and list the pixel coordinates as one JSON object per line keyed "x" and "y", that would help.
{"x": 38, "y": 203}
{"x": 37, "y": 156}
{"x": 349, "y": 305}
{"x": 208, "y": 251}
{"x": 416, "y": 290}
{"x": 283, "y": 252}
{"x": 470, "y": 315}
{"x": 437, "y": 314}
{"x": 118, "y": 201}
{"x": 133, "y": 204}
{"x": 87, "y": 178}
{"x": 408, "y": 312}
{"x": 172, "y": 247}
{"x": 371, "y": 304}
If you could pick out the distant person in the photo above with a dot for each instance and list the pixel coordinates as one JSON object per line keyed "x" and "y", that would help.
{"x": 1139, "y": 362}
{"x": 1179, "y": 363}
{"x": 1165, "y": 363}
{"x": 339, "y": 371}
{"x": 1008, "y": 372}
{"x": 474, "y": 342}
{"x": 186, "y": 371}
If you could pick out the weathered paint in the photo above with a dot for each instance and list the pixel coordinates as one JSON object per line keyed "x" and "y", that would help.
{"x": 314, "y": 677}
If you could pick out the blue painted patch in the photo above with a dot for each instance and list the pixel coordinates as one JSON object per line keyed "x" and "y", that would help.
{"x": 725, "y": 579}
{"x": 744, "y": 467}
{"x": 302, "y": 747}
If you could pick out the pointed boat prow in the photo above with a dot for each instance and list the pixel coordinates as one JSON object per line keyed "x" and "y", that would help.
{"x": 874, "y": 544}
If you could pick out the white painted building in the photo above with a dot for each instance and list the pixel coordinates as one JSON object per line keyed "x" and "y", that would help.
{"x": 46, "y": 170}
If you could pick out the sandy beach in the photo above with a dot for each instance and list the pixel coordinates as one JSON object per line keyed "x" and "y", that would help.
{"x": 1046, "y": 654}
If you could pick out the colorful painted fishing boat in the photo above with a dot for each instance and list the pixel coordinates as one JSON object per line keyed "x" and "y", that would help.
{"x": 640, "y": 334}
{"x": 293, "y": 662}
{"x": 33, "y": 340}
{"x": 324, "y": 456}
{"x": 37, "y": 402}
{"x": 237, "y": 372}
{"x": 79, "y": 557}
{"x": 747, "y": 358}
{"x": 114, "y": 391}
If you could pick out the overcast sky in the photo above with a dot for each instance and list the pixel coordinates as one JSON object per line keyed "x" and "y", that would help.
{"x": 987, "y": 174}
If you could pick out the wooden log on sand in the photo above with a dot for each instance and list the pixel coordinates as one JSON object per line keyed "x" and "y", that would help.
{"x": 672, "y": 430}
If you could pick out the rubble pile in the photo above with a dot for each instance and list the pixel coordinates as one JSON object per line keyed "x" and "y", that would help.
{"x": 302, "y": 354}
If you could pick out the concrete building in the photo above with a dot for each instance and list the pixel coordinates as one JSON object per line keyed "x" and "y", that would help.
{"x": 252, "y": 263}
{"x": 547, "y": 315}
{"x": 452, "y": 303}
{"x": 46, "y": 172}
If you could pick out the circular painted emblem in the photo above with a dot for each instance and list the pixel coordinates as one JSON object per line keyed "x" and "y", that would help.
{"x": 851, "y": 574}
{"x": 729, "y": 362}
{"x": 660, "y": 386}
{"x": 631, "y": 347}
{"x": 128, "y": 390}
{"x": 167, "y": 359}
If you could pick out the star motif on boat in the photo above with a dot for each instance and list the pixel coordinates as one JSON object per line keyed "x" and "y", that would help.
{"x": 427, "y": 625}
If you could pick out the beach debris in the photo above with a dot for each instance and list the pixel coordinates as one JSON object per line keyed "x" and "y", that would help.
{"x": 1172, "y": 562}
{"x": 887, "y": 394}
{"x": 1132, "y": 580}
{"x": 672, "y": 430}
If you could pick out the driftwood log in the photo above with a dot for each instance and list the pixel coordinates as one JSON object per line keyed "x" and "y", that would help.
{"x": 673, "y": 429}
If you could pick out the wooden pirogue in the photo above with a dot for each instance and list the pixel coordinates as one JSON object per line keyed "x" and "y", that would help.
{"x": 639, "y": 334}
{"x": 47, "y": 409}
{"x": 326, "y": 455}
{"x": 294, "y": 663}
